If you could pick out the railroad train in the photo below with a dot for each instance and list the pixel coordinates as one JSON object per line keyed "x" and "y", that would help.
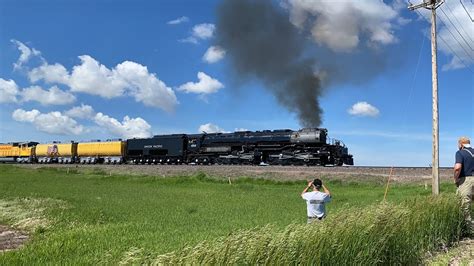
{"x": 307, "y": 146}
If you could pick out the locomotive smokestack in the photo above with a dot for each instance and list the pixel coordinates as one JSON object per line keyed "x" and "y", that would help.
{"x": 262, "y": 43}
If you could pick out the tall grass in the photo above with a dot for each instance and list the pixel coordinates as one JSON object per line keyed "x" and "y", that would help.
{"x": 385, "y": 234}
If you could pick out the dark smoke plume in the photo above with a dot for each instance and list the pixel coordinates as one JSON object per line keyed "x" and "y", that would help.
{"x": 261, "y": 42}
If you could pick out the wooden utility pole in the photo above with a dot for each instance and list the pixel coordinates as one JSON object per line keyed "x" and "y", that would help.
{"x": 433, "y": 5}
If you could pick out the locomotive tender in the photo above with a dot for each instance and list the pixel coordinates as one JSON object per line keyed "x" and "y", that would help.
{"x": 308, "y": 146}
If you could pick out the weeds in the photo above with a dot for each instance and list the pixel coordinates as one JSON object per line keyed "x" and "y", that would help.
{"x": 388, "y": 234}
{"x": 28, "y": 213}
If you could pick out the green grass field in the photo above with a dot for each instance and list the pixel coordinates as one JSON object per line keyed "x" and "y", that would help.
{"x": 90, "y": 218}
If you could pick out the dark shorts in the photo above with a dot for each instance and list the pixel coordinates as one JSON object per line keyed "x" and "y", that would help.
{"x": 315, "y": 219}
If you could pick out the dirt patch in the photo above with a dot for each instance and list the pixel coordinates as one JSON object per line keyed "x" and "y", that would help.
{"x": 11, "y": 239}
{"x": 460, "y": 254}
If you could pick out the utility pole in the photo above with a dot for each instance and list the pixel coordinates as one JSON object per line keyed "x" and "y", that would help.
{"x": 433, "y": 5}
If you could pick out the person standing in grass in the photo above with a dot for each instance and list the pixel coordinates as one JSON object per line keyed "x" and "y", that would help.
{"x": 316, "y": 200}
{"x": 463, "y": 175}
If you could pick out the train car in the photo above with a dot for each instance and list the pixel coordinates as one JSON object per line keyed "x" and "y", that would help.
{"x": 158, "y": 149}
{"x": 20, "y": 152}
{"x": 109, "y": 152}
{"x": 56, "y": 152}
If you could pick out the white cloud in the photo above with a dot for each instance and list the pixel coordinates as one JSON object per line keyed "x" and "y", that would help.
{"x": 200, "y": 32}
{"x": 53, "y": 122}
{"x": 52, "y": 96}
{"x": 94, "y": 78}
{"x": 340, "y": 25}
{"x": 145, "y": 86}
{"x": 204, "y": 31}
{"x": 82, "y": 112}
{"x": 211, "y": 128}
{"x": 128, "y": 128}
{"x": 240, "y": 129}
{"x": 126, "y": 78}
{"x": 363, "y": 109}
{"x": 25, "y": 116}
{"x": 205, "y": 85}
{"x": 25, "y": 53}
{"x": 178, "y": 20}
{"x": 8, "y": 91}
{"x": 213, "y": 54}
{"x": 56, "y": 73}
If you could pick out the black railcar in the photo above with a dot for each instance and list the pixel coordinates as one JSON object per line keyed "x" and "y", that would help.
{"x": 159, "y": 149}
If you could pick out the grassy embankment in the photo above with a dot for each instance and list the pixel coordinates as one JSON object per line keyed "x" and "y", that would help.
{"x": 97, "y": 218}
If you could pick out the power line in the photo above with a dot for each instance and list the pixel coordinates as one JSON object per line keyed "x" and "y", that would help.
{"x": 454, "y": 36}
{"x": 466, "y": 10}
{"x": 450, "y": 48}
{"x": 412, "y": 85}
{"x": 459, "y": 23}
{"x": 456, "y": 29}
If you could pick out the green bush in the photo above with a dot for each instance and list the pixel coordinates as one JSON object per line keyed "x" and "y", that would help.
{"x": 388, "y": 234}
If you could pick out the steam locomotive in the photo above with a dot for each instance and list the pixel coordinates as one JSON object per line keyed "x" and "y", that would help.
{"x": 308, "y": 146}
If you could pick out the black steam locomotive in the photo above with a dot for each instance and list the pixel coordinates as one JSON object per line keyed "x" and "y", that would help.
{"x": 308, "y": 146}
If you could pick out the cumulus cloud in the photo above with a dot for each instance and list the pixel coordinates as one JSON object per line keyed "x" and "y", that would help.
{"x": 145, "y": 86}
{"x": 53, "y": 122}
{"x": 178, "y": 20}
{"x": 94, "y": 78}
{"x": 52, "y": 96}
{"x": 64, "y": 124}
{"x": 11, "y": 93}
{"x": 364, "y": 109}
{"x": 126, "y": 78}
{"x": 200, "y": 32}
{"x": 128, "y": 128}
{"x": 56, "y": 73}
{"x": 8, "y": 91}
{"x": 205, "y": 85}
{"x": 204, "y": 31}
{"x": 81, "y": 112}
{"x": 211, "y": 128}
{"x": 25, "y": 53}
{"x": 340, "y": 26}
{"x": 213, "y": 54}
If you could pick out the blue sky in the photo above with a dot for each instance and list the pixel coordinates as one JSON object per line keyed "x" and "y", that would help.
{"x": 117, "y": 69}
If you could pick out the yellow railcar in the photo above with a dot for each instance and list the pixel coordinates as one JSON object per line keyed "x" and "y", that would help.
{"x": 21, "y": 152}
{"x": 56, "y": 152}
{"x": 101, "y": 152}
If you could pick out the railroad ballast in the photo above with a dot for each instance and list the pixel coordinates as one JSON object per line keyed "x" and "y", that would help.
{"x": 307, "y": 146}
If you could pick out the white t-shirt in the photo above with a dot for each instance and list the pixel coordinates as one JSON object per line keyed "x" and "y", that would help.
{"x": 315, "y": 202}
